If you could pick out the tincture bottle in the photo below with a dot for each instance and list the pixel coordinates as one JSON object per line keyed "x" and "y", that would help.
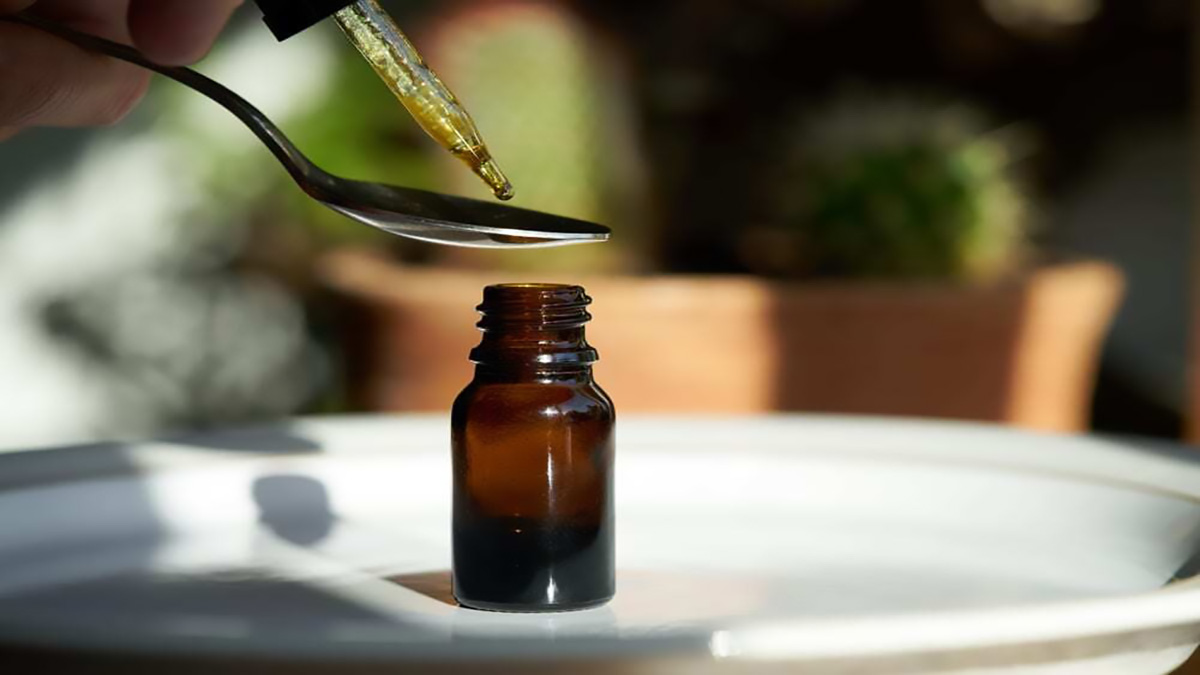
{"x": 532, "y": 439}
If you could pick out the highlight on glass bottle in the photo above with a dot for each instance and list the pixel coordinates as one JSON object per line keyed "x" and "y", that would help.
{"x": 532, "y": 442}
{"x": 431, "y": 103}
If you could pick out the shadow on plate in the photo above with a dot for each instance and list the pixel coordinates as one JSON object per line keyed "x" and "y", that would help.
{"x": 280, "y": 438}
{"x": 434, "y": 585}
{"x": 296, "y": 508}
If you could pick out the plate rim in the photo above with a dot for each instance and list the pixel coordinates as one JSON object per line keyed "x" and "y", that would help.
{"x": 1122, "y": 617}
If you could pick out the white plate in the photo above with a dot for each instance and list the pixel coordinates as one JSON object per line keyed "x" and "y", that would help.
{"x": 842, "y": 544}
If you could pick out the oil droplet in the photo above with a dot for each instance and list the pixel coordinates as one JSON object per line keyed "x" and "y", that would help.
{"x": 491, "y": 174}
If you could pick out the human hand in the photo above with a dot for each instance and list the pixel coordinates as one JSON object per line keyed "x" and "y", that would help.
{"x": 45, "y": 81}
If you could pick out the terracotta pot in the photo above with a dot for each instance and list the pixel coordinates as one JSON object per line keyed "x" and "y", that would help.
{"x": 1024, "y": 352}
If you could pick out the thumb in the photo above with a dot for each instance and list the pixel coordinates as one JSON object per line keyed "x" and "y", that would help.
{"x": 178, "y": 32}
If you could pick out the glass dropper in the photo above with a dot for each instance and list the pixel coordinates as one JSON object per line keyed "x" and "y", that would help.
{"x": 431, "y": 103}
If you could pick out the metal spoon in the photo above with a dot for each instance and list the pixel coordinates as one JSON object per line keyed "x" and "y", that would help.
{"x": 417, "y": 214}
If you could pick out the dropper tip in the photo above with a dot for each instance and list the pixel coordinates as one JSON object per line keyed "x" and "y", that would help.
{"x": 491, "y": 174}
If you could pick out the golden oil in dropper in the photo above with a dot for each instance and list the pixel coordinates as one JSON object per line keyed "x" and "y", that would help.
{"x": 427, "y": 99}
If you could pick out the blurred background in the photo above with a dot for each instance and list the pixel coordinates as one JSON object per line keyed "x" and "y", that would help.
{"x": 968, "y": 209}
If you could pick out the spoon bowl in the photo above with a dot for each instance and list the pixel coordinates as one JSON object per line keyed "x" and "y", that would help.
{"x": 445, "y": 219}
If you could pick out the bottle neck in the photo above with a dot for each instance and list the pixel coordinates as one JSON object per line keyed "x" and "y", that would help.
{"x": 526, "y": 373}
{"x": 533, "y": 328}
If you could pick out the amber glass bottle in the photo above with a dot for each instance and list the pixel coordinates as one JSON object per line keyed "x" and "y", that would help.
{"x": 533, "y": 458}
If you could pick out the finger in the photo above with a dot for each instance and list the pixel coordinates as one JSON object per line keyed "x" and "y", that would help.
{"x": 178, "y": 32}
{"x": 105, "y": 18}
{"x": 49, "y": 82}
{"x": 8, "y": 132}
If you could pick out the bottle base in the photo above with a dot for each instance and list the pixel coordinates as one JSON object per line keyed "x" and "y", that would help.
{"x": 519, "y": 608}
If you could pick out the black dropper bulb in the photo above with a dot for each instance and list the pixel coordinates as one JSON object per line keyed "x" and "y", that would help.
{"x": 286, "y": 18}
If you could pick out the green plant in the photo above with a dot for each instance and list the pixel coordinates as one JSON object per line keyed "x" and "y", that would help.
{"x": 357, "y": 131}
{"x": 897, "y": 187}
{"x": 555, "y": 115}
{"x": 328, "y": 101}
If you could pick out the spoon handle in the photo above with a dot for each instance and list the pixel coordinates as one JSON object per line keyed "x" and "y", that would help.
{"x": 299, "y": 166}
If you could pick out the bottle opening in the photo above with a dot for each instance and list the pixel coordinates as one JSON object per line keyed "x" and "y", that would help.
{"x": 535, "y": 294}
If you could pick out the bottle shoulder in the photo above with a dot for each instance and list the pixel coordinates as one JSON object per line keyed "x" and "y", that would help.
{"x": 540, "y": 399}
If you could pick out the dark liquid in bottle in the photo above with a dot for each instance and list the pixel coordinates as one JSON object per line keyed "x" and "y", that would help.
{"x": 521, "y": 563}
